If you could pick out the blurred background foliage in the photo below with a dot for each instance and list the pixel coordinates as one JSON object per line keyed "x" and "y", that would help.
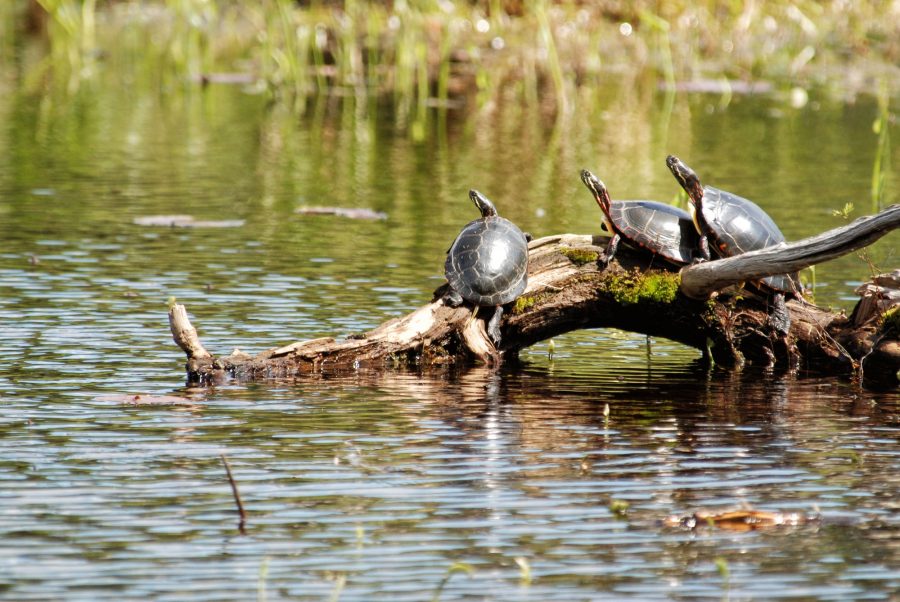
{"x": 482, "y": 53}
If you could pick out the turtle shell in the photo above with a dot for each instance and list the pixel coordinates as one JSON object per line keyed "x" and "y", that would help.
{"x": 488, "y": 262}
{"x": 736, "y": 225}
{"x": 662, "y": 229}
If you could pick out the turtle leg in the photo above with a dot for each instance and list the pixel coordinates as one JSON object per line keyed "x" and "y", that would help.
{"x": 611, "y": 249}
{"x": 780, "y": 317}
{"x": 528, "y": 237}
{"x": 786, "y": 354}
{"x": 493, "y": 327}
{"x": 453, "y": 299}
{"x": 704, "y": 250}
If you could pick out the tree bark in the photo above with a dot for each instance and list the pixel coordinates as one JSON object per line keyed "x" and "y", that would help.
{"x": 568, "y": 288}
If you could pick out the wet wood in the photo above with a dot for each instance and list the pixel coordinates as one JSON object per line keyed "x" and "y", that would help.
{"x": 569, "y": 289}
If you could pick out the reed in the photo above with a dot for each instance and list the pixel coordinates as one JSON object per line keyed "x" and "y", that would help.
{"x": 72, "y": 34}
{"x": 882, "y": 165}
{"x": 548, "y": 40}
{"x": 9, "y": 16}
{"x": 411, "y": 48}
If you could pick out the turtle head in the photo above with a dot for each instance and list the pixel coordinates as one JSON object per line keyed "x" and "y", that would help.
{"x": 686, "y": 177}
{"x": 601, "y": 195}
{"x": 597, "y": 188}
{"x": 483, "y": 203}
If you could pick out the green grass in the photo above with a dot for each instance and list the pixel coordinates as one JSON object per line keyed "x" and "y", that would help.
{"x": 882, "y": 165}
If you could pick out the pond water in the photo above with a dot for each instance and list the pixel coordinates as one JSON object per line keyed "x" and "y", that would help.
{"x": 462, "y": 485}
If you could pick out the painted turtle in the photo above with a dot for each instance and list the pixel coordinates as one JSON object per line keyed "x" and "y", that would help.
{"x": 732, "y": 224}
{"x": 736, "y": 225}
{"x": 662, "y": 229}
{"x": 487, "y": 264}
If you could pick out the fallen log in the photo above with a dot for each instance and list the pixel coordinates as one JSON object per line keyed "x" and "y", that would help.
{"x": 568, "y": 289}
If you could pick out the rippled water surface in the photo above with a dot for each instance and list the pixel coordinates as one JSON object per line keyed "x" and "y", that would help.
{"x": 465, "y": 484}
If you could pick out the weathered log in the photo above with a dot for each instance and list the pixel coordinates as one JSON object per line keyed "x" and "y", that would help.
{"x": 701, "y": 280}
{"x": 569, "y": 289}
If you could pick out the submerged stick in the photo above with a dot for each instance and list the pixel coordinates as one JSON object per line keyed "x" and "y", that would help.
{"x": 236, "y": 493}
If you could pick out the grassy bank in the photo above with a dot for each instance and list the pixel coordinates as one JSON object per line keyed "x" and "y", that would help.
{"x": 426, "y": 52}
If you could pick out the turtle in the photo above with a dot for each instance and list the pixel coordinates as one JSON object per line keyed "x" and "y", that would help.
{"x": 487, "y": 264}
{"x": 732, "y": 225}
{"x": 664, "y": 230}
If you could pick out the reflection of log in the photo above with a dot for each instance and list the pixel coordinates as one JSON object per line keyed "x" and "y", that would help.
{"x": 568, "y": 289}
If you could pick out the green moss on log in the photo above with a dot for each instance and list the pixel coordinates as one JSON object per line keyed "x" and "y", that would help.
{"x": 890, "y": 322}
{"x": 523, "y": 304}
{"x": 580, "y": 256}
{"x": 526, "y": 302}
{"x": 635, "y": 287}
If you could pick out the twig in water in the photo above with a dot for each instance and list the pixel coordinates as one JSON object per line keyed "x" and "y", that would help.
{"x": 237, "y": 494}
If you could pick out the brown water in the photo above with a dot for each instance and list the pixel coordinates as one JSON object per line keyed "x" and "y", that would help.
{"x": 374, "y": 486}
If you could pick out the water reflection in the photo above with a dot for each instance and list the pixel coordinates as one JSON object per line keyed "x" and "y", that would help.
{"x": 389, "y": 478}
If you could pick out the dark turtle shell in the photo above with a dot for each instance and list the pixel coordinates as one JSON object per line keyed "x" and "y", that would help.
{"x": 736, "y": 225}
{"x": 662, "y": 229}
{"x": 488, "y": 262}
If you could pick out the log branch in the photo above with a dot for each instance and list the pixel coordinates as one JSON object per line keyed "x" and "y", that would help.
{"x": 699, "y": 281}
{"x": 568, "y": 289}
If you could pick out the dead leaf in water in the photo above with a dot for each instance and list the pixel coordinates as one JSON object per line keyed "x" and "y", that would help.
{"x": 747, "y": 519}
{"x": 146, "y": 400}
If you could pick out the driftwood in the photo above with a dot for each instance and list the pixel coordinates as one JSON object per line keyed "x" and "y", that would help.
{"x": 568, "y": 288}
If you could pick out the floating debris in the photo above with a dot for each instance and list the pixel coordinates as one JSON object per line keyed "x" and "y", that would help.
{"x": 719, "y": 86}
{"x": 742, "y": 520}
{"x": 185, "y": 221}
{"x": 146, "y": 400}
{"x": 349, "y": 212}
